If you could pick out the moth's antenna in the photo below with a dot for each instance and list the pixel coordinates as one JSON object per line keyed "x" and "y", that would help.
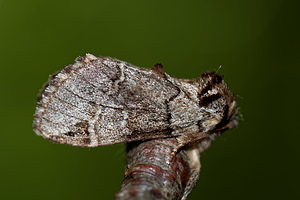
{"x": 238, "y": 96}
{"x": 219, "y": 68}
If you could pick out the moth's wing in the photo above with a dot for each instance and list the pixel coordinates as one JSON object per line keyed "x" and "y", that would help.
{"x": 99, "y": 101}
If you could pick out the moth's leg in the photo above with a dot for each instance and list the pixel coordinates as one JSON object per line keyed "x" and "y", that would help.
{"x": 193, "y": 154}
{"x": 183, "y": 140}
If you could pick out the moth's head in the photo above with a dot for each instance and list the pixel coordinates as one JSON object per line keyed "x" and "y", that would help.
{"x": 218, "y": 103}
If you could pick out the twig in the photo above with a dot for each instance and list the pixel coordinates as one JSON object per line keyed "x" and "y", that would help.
{"x": 148, "y": 176}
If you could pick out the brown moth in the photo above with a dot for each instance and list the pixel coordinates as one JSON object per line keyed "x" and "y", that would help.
{"x": 101, "y": 101}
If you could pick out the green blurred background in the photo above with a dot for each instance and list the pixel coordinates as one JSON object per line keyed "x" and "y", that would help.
{"x": 256, "y": 42}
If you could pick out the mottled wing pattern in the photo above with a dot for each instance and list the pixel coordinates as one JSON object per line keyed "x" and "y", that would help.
{"x": 100, "y": 101}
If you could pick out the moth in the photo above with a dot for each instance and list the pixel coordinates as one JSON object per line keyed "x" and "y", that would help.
{"x": 101, "y": 101}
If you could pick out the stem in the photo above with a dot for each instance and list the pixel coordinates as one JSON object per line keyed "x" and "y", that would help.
{"x": 148, "y": 176}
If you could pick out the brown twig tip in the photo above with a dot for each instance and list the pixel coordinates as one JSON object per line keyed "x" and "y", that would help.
{"x": 148, "y": 176}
